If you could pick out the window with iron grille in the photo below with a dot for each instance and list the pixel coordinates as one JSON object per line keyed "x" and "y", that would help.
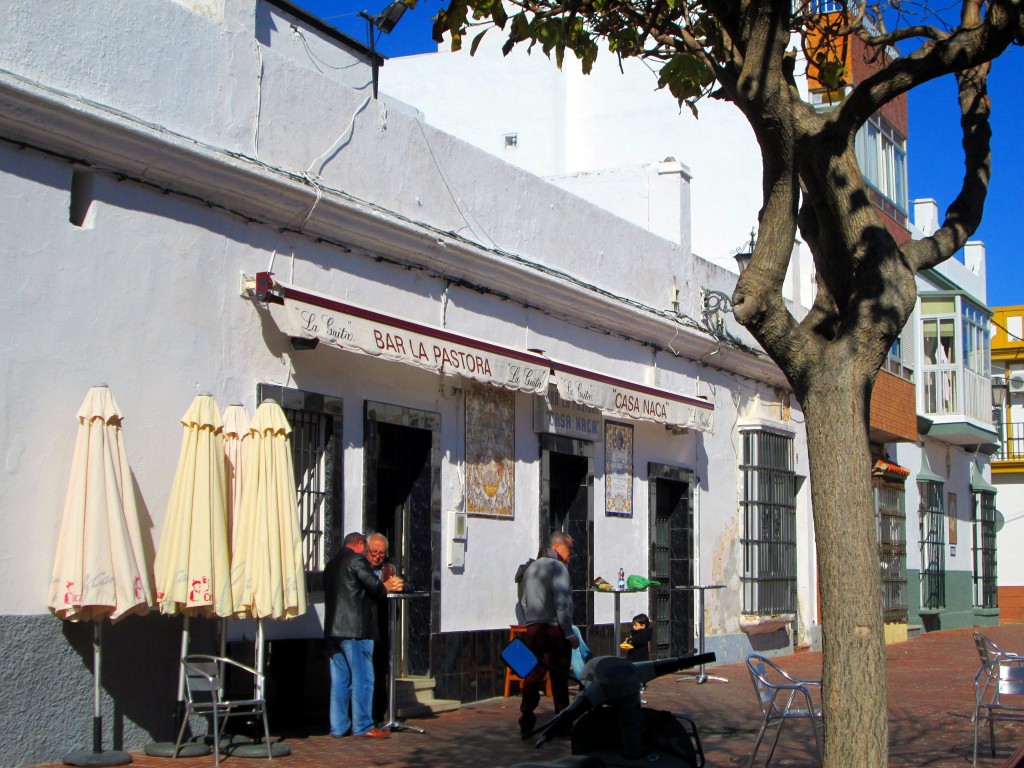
{"x": 892, "y": 548}
{"x": 316, "y": 455}
{"x": 986, "y": 594}
{"x": 769, "y": 523}
{"x": 933, "y": 546}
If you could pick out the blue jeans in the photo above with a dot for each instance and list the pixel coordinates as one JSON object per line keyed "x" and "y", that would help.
{"x": 351, "y": 685}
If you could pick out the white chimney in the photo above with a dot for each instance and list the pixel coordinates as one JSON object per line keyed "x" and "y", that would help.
{"x": 926, "y": 215}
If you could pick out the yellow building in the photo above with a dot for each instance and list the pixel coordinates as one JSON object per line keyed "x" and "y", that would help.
{"x": 1008, "y": 462}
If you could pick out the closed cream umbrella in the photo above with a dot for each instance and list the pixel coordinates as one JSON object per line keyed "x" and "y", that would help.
{"x": 236, "y": 444}
{"x": 268, "y": 577}
{"x": 99, "y": 570}
{"x": 267, "y": 568}
{"x": 193, "y": 564}
{"x": 193, "y": 558}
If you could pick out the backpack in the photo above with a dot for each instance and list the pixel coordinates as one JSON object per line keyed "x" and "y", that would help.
{"x": 520, "y": 573}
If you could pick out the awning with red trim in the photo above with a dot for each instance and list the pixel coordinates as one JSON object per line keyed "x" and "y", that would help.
{"x": 632, "y": 401}
{"x": 311, "y": 315}
{"x": 889, "y": 471}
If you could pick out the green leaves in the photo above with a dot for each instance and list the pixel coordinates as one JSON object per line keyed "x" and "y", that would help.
{"x": 686, "y": 76}
{"x": 830, "y": 70}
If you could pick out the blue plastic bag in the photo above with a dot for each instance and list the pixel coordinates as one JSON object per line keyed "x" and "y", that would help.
{"x": 580, "y": 655}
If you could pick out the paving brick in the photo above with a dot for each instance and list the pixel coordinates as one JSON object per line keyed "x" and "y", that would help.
{"x": 931, "y": 699}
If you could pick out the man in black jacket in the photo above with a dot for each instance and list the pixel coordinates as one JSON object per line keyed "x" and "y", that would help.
{"x": 350, "y": 629}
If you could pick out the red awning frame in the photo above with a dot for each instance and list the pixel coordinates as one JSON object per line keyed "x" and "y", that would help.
{"x": 613, "y": 396}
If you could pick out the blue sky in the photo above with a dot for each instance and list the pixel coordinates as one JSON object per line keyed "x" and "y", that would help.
{"x": 934, "y": 134}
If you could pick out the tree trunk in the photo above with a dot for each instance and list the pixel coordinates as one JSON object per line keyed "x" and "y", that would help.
{"x": 854, "y": 695}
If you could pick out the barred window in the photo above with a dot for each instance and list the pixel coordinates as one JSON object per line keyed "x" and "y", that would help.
{"x": 316, "y": 455}
{"x": 986, "y": 594}
{"x": 892, "y": 549}
{"x": 933, "y": 546}
{"x": 769, "y": 517}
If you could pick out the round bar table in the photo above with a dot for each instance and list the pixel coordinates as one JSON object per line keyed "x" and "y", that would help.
{"x": 700, "y": 589}
{"x": 394, "y": 598}
{"x": 618, "y": 624}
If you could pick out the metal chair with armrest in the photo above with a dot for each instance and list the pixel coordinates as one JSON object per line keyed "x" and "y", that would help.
{"x": 781, "y": 698}
{"x": 998, "y": 695}
{"x": 204, "y": 688}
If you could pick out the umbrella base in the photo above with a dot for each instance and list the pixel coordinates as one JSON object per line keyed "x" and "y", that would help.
{"x": 89, "y": 758}
{"x": 257, "y": 749}
{"x": 187, "y": 749}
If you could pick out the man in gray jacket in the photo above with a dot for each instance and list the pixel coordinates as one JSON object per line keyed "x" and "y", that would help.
{"x": 547, "y": 612}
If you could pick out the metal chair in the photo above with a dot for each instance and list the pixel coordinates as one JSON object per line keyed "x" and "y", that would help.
{"x": 998, "y": 695}
{"x": 989, "y": 651}
{"x": 782, "y": 698}
{"x": 204, "y": 688}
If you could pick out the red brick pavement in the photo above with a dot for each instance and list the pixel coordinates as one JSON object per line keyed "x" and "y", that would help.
{"x": 931, "y": 698}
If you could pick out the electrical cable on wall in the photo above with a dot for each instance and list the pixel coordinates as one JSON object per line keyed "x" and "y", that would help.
{"x": 338, "y": 195}
{"x": 259, "y": 102}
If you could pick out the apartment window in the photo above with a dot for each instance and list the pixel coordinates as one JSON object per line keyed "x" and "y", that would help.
{"x": 976, "y": 339}
{"x": 933, "y": 546}
{"x": 891, "y": 517}
{"x": 769, "y": 515}
{"x": 985, "y": 592}
{"x": 938, "y": 334}
{"x": 882, "y": 157}
{"x": 895, "y": 362}
{"x": 316, "y": 455}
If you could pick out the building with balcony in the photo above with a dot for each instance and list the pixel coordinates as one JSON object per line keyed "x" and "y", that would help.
{"x": 1008, "y": 460}
{"x": 951, "y": 563}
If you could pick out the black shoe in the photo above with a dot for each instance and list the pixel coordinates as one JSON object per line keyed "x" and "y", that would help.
{"x": 526, "y": 728}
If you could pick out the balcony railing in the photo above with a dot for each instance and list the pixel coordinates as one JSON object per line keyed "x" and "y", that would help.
{"x": 1012, "y": 448}
{"x": 950, "y": 390}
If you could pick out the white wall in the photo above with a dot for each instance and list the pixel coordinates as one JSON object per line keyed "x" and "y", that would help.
{"x": 145, "y": 297}
{"x": 567, "y": 123}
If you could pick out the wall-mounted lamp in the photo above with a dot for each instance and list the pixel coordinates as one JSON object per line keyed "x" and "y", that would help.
{"x": 714, "y": 303}
{"x": 385, "y": 21}
{"x": 999, "y": 391}
{"x": 745, "y": 252}
{"x": 300, "y": 343}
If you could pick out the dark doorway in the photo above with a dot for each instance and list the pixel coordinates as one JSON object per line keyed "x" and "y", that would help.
{"x": 567, "y": 476}
{"x": 671, "y": 561}
{"x": 398, "y": 504}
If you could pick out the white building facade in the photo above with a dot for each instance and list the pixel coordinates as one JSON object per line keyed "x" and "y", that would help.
{"x": 204, "y": 197}
{"x": 604, "y": 135}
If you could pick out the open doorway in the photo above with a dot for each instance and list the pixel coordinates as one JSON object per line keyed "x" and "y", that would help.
{"x": 671, "y": 560}
{"x": 401, "y": 456}
{"x": 566, "y": 504}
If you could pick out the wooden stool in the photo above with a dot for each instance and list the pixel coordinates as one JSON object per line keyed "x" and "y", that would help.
{"x": 512, "y": 677}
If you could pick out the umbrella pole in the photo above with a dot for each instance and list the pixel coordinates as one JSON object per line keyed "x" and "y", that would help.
{"x": 97, "y": 757}
{"x": 186, "y": 748}
{"x": 258, "y": 748}
{"x": 259, "y": 658}
{"x": 97, "y": 712}
{"x": 179, "y": 714}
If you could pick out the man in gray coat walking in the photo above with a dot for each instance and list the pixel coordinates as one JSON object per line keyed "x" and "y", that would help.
{"x": 547, "y": 612}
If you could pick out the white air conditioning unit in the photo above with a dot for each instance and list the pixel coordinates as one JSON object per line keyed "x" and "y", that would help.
{"x": 1015, "y": 382}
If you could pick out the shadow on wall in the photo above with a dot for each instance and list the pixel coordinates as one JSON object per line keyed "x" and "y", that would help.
{"x": 140, "y": 657}
{"x": 46, "y": 665}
